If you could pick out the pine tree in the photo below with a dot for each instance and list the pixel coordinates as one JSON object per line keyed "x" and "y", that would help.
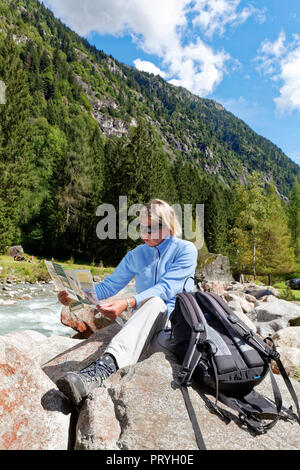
{"x": 15, "y": 156}
{"x": 294, "y": 218}
{"x": 77, "y": 185}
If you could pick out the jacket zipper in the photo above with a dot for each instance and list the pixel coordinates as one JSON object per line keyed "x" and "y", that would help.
{"x": 155, "y": 279}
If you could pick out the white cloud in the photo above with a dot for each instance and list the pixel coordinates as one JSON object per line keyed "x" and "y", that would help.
{"x": 276, "y": 48}
{"x": 160, "y": 28}
{"x": 146, "y": 66}
{"x": 281, "y": 61}
{"x": 198, "y": 68}
{"x": 214, "y": 15}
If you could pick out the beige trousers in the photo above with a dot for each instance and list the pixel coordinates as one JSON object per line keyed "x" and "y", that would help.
{"x": 140, "y": 332}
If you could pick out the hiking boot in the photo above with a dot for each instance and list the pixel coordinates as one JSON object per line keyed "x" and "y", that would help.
{"x": 78, "y": 385}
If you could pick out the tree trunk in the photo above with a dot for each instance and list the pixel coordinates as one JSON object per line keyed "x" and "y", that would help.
{"x": 254, "y": 253}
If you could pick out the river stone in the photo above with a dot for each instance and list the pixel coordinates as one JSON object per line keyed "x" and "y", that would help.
{"x": 81, "y": 354}
{"x": 33, "y": 415}
{"x": 83, "y": 320}
{"x": 97, "y": 427}
{"x": 38, "y": 346}
{"x": 144, "y": 402}
{"x": 272, "y": 316}
{"x": 152, "y": 414}
{"x": 290, "y": 358}
{"x": 288, "y": 337}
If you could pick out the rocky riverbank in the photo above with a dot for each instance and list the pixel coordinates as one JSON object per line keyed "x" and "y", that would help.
{"x": 140, "y": 407}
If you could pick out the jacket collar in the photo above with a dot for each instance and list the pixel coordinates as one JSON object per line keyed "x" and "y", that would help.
{"x": 163, "y": 245}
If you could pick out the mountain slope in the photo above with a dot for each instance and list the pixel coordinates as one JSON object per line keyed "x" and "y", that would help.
{"x": 116, "y": 95}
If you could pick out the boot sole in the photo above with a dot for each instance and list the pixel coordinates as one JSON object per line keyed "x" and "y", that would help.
{"x": 69, "y": 389}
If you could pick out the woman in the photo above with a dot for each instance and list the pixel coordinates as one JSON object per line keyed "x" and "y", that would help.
{"x": 161, "y": 266}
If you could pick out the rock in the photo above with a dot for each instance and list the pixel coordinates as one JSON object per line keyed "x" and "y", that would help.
{"x": 33, "y": 414}
{"x": 150, "y": 410}
{"x": 82, "y": 354}
{"x": 238, "y": 302}
{"x": 288, "y": 337}
{"x": 290, "y": 358}
{"x": 39, "y": 347}
{"x": 213, "y": 286}
{"x": 235, "y": 305}
{"x": 86, "y": 320}
{"x": 97, "y": 427}
{"x": 287, "y": 342}
{"x": 16, "y": 251}
{"x": 258, "y": 293}
{"x": 26, "y": 297}
{"x": 273, "y": 316}
{"x": 138, "y": 408}
{"x": 213, "y": 267}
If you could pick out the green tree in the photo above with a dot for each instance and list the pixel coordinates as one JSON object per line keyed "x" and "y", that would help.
{"x": 15, "y": 161}
{"x": 294, "y": 218}
{"x": 250, "y": 210}
{"x": 260, "y": 234}
{"x": 277, "y": 254}
{"x": 77, "y": 185}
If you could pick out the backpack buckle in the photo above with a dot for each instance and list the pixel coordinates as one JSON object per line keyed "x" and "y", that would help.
{"x": 232, "y": 319}
{"x": 183, "y": 375}
{"x": 199, "y": 328}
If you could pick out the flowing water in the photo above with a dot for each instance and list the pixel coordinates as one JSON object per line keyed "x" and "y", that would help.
{"x": 40, "y": 312}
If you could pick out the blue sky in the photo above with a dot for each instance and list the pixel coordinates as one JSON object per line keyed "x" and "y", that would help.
{"x": 243, "y": 54}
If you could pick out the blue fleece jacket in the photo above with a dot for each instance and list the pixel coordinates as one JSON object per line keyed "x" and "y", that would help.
{"x": 160, "y": 271}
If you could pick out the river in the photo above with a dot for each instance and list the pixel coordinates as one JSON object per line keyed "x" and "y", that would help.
{"x": 40, "y": 312}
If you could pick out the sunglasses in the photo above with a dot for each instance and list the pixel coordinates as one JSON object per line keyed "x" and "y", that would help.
{"x": 150, "y": 228}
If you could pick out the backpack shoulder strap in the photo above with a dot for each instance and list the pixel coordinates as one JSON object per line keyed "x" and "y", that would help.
{"x": 196, "y": 320}
{"x": 193, "y": 418}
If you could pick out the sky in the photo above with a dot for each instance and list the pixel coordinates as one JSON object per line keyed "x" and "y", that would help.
{"x": 243, "y": 54}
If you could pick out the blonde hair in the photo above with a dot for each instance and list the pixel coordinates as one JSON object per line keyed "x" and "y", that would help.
{"x": 161, "y": 212}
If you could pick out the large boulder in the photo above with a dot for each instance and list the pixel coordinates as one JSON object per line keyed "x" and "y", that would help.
{"x": 138, "y": 408}
{"x": 141, "y": 407}
{"x": 213, "y": 267}
{"x": 150, "y": 411}
{"x": 274, "y": 315}
{"x": 287, "y": 342}
{"x": 16, "y": 251}
{"x": 34, "y": 415}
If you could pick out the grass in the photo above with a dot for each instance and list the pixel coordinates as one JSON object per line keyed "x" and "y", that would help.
{"x": 37, "y": 271}
{"x": 286, "y": 292}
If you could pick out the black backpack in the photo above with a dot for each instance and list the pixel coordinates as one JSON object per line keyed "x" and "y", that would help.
{"x": 221, "y": 354}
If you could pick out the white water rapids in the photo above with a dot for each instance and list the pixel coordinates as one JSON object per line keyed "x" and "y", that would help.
{"x": 40, "y": 312}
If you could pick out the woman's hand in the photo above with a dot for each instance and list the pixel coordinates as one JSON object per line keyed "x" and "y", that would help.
{"x": 64, "y": 298}
{"x": 113, "y": 308}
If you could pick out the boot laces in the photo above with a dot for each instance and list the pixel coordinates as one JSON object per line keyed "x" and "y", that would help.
{"x": 98, "y": 369}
